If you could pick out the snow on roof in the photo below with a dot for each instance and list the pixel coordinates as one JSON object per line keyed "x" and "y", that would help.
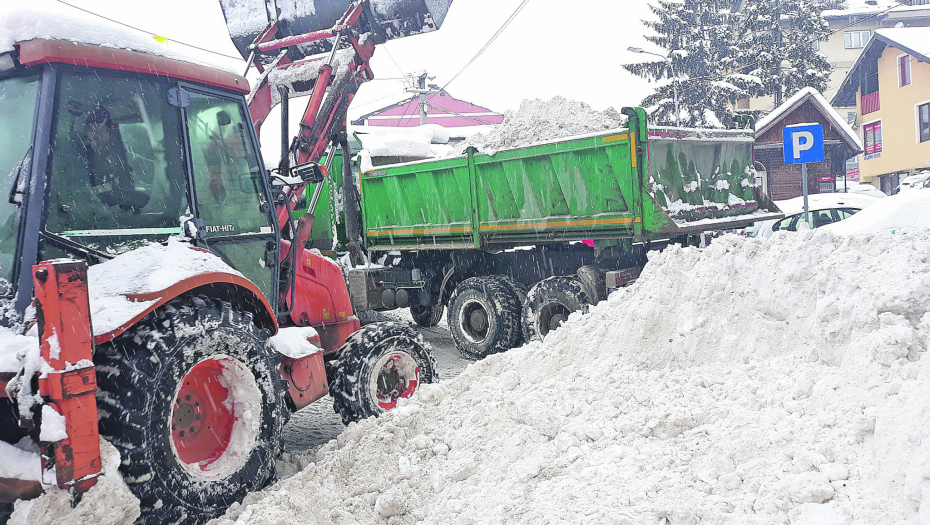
{"x": 46, "y": 19}
{"x": 821, "y": 103}
{"x": 860, "y": 7}
{"x": 914, "y": 40}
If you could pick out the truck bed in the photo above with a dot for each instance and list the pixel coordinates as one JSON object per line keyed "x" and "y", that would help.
{"x": 587, "y": 187}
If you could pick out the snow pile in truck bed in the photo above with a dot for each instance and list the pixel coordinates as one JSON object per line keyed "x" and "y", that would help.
{"x": 752, "y": 382}
{"x": 539, "y": 121}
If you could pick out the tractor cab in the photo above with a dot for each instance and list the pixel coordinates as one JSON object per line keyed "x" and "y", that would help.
{"x": 107, "y": 150}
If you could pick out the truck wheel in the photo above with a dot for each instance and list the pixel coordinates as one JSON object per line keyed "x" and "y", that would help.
{"x": 549, "y": 304}
{"x": 484, "y": 317}
{"x": 427, "y": 316}
{"x": 194, "y": 402}
{"x": 377, "y": 366}
{"x": 519, "y": 292}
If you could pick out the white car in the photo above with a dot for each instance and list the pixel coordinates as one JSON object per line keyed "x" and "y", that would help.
{"x": 825, "y": 208}
{"x": 908, "y": 211}
{"x": 916, "y": 181}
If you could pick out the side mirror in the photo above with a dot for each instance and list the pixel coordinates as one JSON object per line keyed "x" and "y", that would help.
{"x": 310, "y": 172}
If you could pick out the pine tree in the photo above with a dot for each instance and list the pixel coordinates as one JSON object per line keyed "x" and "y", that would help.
{"x": 777, "y": 39}
{"x": 699, "y": 45}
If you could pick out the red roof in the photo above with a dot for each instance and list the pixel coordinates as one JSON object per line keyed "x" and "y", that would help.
{"x": 442, "y": 109}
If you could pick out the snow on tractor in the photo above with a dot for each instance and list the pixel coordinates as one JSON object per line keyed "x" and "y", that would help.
{"x": 165, "y": 344}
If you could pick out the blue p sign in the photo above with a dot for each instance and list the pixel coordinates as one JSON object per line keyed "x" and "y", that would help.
{"x": 803, "y": 143}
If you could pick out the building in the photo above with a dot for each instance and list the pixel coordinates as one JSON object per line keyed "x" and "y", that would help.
{"x": 889, "y": 85}
{"x": 852, "y": 28}
{"x": 438, "y": 108}
{"x": 840, "y": 143}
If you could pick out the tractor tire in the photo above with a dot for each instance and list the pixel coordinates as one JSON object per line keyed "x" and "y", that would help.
{"x": 427, "y": 316}
{"x": 484, "y": 317}
{"x": 377, "y": 366}
{"x": 549, "y": 304}
{"x": 165, "y": 379}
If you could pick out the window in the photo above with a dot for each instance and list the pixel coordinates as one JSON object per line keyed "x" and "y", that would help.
{"x": 116, "y": 179}
{"x": 856, "y": 39}
{"x": 923, "y": 122}
{"x": 845, "y": 213}
{"x": 904, "y": 70}
{"x": 851, "y": 118}
{"x": 872, "y": 133}
{"x": 17, "y": 114}
{"x": 230, "y": 189}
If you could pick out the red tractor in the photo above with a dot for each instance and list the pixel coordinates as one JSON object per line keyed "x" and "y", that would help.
{"x": 172, "y": 357}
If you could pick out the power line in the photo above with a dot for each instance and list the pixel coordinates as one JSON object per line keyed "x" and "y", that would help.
{"x": 146, "y": 32}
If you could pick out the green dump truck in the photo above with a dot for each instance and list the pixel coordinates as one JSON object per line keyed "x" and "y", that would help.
{"x": 512, "y": 243}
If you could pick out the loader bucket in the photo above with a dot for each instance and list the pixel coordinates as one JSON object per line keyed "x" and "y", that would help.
{"x": 245, "y": 19}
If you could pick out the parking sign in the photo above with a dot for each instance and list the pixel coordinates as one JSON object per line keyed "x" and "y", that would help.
{"x": 803, "y": 143}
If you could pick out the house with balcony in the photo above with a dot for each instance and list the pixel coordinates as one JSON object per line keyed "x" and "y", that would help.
{"x": 889, "y": 85}
{"x": 851, "y": 29}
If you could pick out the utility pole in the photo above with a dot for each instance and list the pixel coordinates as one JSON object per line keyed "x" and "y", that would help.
{"x": 422, "y": 90}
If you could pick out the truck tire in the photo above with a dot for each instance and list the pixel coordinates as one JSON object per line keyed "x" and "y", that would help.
{"x": 549, "y": 304}
{"x": 377, "y": 366}
{"x": 427, "y": 316}
{"x": 519, "y": 292}
{"x": 195, "y": 362}
{"x": 484, "y": 317}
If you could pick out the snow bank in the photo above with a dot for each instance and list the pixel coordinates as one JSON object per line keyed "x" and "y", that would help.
{"x": 540, "y": 121}
{"x": 750, "y": 382}
{"x": 901, "y": 213}
{"x": 109, "y": 502}
{"x": 23, "y": 21}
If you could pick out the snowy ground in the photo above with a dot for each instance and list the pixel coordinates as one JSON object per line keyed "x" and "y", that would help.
{"x": 754, "y": 381}
{"x": 315, "y": 425}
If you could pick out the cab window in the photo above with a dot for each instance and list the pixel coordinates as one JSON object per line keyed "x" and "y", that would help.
{"x": 116, "y": 180}
{"x": 227, "y": 177}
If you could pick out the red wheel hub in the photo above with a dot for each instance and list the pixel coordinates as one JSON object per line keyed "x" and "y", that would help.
{"x": 398, "y": 378}
{"x": 201, "y": 421}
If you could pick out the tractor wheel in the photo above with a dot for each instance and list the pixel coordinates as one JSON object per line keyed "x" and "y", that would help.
{"x": 194, "y": 402}
{"x": 427, "y": 316}
{"x": 484, "y": 317}
{"x": 549, "y": 304}
{"x": 377, "y": 366}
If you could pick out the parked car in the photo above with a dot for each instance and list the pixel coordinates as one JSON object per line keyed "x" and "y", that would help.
{"x": 825, "y": 208}
{"x": 916, "y": 181}
{"x": 902, "y": 213}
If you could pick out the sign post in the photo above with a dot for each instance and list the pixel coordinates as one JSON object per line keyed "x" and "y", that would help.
{"x": 803, "y": 143}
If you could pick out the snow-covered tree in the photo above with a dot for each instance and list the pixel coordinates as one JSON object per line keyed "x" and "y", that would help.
{"x": 777, "y": 41}
{"x": 698, "y": 44}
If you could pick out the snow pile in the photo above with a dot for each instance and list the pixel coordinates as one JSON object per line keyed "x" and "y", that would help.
{"x": 109, "y": 502}
{"x": 146, "y": 270}
{"x": 11, "y": 345}
{"x": 23, "y": 21}
{"x": 20, "y": 461}
{"x": 697, "y": 395}
{"x": 540, "y": 121}
{"x": 901, "y": 213}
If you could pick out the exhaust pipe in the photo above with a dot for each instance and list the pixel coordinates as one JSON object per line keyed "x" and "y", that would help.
{"x": 386, "y": 19}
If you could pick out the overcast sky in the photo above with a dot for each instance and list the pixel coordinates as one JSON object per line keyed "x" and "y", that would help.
{"x": 572, "y": 48}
